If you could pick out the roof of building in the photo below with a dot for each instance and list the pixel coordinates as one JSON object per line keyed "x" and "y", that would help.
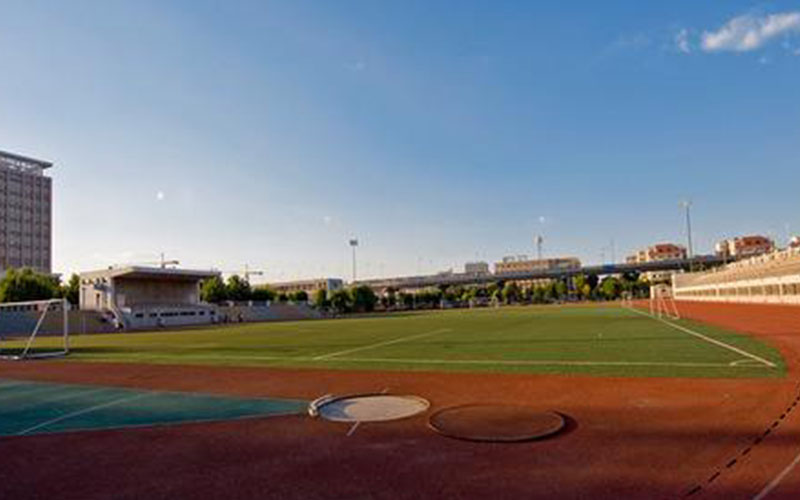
{"x": 24, "y": 162}
{"x": 150, "y": 272}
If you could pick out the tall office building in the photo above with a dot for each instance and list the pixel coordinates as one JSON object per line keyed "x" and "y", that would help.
{"x": 26, "y": 198}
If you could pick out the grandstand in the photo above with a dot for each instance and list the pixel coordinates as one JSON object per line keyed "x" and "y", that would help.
{"x": 772, "y": 278}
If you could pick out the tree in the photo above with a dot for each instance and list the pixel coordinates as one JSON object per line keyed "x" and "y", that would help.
{"x": 72, "y": 290}
{"x": 611, "y": 288}
{"x": 341, "y": 301}
{"x": 26, "y": 284}
{"x": 299, "y": 296}
{"x": 407, "y": 300}
{"x": 213, "y": 290}
{"x": 238, "y": 288}
{"x": 510, "y": 292}
{"x": 363, "y": 298}
{"x": 539, "y": 295}
{"x": 561, "y": 290}
{"x": 263, "y": 294}
{"x": 391, "y": 297}
{"x": 321, "y": 299}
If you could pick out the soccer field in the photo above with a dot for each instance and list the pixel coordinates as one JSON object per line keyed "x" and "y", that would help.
{"x": 551, "y": 339}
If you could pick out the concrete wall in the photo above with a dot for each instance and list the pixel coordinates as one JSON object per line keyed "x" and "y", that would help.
{"x": 143, "y": 291}
{"x": 768, "y": 279}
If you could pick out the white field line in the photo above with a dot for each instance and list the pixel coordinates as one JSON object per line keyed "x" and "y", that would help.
{"x": 709, "y": 339}
{"x": 81, "y": 412}
{"x": 380, "y": 344}
{"x": 353, "y": 428}
{"x": 780, "y": 477}
{"x": 533, "y": 362}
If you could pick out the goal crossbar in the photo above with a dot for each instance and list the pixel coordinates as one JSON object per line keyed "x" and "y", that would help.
{"x": 42, "y": 307}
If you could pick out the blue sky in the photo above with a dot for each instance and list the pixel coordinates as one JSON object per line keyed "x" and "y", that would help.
{"x": 268, "y": 133}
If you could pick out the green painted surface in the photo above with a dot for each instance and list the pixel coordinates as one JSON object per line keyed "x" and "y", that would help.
{"x": 36, "y": 407}
{"x": 549, "y": 339}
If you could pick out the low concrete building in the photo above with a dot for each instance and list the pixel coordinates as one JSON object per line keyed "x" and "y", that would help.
{"x": 476, "y": 268}
{"x": 309, "y": 286}
{"x": 743, "y": 247}
{"x": 523, "y": 264}
{"x": 656, "y": 253}
{"x": 146, "y": 297}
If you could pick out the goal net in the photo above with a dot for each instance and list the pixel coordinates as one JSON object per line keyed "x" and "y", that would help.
{"x": 627, "y": 300}
{"x": 34, "y": 329}
{"x": 662, "y": 302}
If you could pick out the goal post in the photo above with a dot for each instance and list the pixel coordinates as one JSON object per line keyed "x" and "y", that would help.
{"x": 22, "y": 323}
{"x": 662, "y": 302}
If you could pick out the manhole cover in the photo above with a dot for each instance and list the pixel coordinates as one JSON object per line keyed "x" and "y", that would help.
{"x": 367, "y": 407}
{"x": 496, "y": 423}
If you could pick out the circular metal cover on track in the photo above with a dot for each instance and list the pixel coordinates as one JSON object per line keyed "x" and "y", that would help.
{"x": 369, "y": 407}
{"x": 496, "y": 423}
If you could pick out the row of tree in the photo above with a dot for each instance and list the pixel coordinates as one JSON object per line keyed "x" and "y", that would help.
{"x": 357, "y": 299}
{"x": 238, "y": 289}
{"x": 26, "y": 284}
{"x": 19, "y": 285}
{"x": 578, "y": 288}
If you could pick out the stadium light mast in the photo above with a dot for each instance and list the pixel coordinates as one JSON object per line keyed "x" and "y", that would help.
{"x": 539, "y": 240}
{"x": 353, "y": 245}
{"x": 687, "y": 205}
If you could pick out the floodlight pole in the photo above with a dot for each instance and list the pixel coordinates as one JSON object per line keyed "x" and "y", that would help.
{"x": 353, "y": 245}
{"x": 688, "y": 206}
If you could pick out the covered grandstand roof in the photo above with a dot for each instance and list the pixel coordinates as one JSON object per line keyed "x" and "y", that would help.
{"x": 141, "y": 272}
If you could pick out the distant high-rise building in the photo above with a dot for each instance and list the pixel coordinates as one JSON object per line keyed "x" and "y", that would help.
{"x": 25, "y": 213}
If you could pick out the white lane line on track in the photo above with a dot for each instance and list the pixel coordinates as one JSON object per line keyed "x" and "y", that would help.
{"x": 81, "y": 412}
{"x": 534, "y": 362}
{"x": 709, "y": 339}
{"x": 381, "y": 344}
{"x": 353, "y": 428}
{"x": 780, "y": 477}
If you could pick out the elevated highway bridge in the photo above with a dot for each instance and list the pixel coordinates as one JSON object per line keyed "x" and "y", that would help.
{"x": 450, "y": 279}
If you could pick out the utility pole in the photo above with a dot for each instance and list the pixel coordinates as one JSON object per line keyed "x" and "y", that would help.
{"x": 353, "y": 245}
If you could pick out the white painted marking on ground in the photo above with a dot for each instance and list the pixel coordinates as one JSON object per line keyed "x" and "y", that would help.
{"x": 780, "y": 477}
{"x": 353, "y": 429}
{"x": 81, "y": 412}
{"x": 534, "y": 362}
{"x": 6, "y": 385}
{"x": 380, "y": 344}
{"x": 709, "y": 339}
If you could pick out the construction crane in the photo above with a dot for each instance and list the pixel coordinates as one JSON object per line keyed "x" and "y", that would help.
{"x": 162, "y": 263}
{"x": 246, "y": 273}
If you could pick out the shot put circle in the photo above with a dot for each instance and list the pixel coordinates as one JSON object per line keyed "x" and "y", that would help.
{"x": 496, "y": 423}
{"x": 371, "y": 408}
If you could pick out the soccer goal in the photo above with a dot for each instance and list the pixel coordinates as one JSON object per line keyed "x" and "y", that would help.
{"x": 662, "y": 302}
{"x": 21, "y": 323}
{"x": 627, "y": 300}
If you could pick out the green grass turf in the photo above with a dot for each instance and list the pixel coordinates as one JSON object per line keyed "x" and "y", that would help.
{"x": 608, "y": 341}
{"x": 28, "y": 408}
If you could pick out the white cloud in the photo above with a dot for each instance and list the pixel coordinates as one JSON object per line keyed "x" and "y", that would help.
{"x": 160, "y": 195}
{"x": 749, "y": 32}
{"x": 682, "y": 41}
{"x": 327, "y": 219}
